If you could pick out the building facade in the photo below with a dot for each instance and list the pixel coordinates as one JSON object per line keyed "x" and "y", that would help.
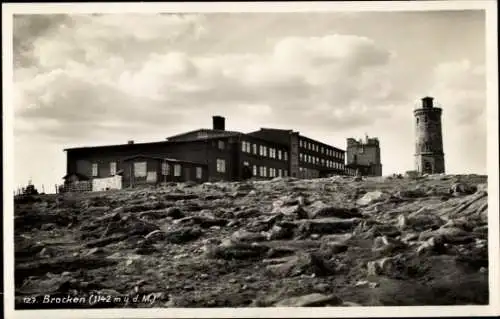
{"x": 308, "y": 158}
{"x": 363, "y": 157}
{"x": 202, "y": 155}
{"x": 429, "y": 155}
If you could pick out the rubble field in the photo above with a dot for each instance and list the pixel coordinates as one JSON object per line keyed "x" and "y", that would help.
{"x": 338, "y": 241}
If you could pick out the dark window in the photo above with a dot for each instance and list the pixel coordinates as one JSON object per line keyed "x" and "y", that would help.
{"x": 221, "y": 145}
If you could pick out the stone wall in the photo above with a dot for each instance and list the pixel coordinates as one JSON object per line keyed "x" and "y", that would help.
{"x": 102, "y": 184}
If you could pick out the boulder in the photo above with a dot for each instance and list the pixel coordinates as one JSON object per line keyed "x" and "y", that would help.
{"x": 332, "y": 211}
{"x": 459, "y": 189}
{"x": 370, "y": 198}
{"x": 246, "y": 236}
{"x": 326, "y": 225}
{"x": 302, "y": 263}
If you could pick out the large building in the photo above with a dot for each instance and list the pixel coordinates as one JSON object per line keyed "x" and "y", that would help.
{"x": 429, "y": 156}
{"x": 363, "y": 157}
{"x": 208, "y": 155}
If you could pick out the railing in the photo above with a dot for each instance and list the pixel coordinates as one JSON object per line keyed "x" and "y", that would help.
{"x": 82, "y": 186}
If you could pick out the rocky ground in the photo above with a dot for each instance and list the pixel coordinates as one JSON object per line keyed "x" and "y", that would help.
{"x": 339, "y": 241}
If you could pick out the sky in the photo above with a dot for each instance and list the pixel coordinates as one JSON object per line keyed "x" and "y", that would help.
{"x": 98, "y": 79}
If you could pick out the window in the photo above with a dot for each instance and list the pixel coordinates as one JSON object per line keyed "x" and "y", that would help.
{"x": 221, "y": 165}
{"x": 245, "y": 163}
{"x": 417, "y": 120}
{"x": 95, "y": 169}
{"x": 301, "y": 156}
{"x": 221, "y": 145}
{"x": 165, "y": 168}
{"x": 300, "y": 143}
{"x": 362, "y": 150}
{"x": 279, "y": 154}
{"x": 263, "y": 171}
{"x": 177, "y": 170}
{"x": 279, "y": 172}
{"x": 272, "y": 152}
{"x": 322, "y": 150}
{"x": 272, "y": 172}
{"x": 322, "y": 162}
{"x": 254, "y": 148}
{"x": 199, "y": 173}
{"x": 254, "y": 170}
{"x": 140, "y": 169}
{"x": 285, "y": 173}
{"x": 246, "y": 147}
{"x": 264, "y": 148}
{"x": 112, "y": 168}
{"x": 285, "y": 154}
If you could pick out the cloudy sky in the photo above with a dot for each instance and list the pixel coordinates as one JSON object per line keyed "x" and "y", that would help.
{"x": 104, "y": 79}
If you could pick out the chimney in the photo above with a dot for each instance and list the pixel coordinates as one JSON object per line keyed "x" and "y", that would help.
{"x": 130, "y": 142}
{"x": 427, "y": 102}
{"x": 218, "y": 123}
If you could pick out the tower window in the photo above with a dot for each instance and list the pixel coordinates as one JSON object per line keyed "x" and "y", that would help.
{"x": 417, "y": 120}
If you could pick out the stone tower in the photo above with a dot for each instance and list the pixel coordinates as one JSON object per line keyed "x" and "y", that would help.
{"x": 429, "y": 156}
{"x": 364, "y": 156}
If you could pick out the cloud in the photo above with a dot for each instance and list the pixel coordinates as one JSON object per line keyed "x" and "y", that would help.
{"x": 461, "y": 89}
{"x": 85, "y": 71}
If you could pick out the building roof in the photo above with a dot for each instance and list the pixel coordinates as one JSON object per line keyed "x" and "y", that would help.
{"x": 216, "y": 133}
{"x": 144, "y": 144}
{"x": 212, "y": 134}
{"x": 288, "y": 131}
{"x": 170, "y": 160}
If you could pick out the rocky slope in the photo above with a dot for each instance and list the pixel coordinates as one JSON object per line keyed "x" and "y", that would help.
{"x": 339, "y": 241}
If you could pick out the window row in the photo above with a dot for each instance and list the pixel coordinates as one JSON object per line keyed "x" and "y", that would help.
{"x": 265, "y": 151}
{"x": 320, "y": 149}
{"x": 264, "y": 171}
{"x": 140, "y": 169}
{"x": 307, "y": 158}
